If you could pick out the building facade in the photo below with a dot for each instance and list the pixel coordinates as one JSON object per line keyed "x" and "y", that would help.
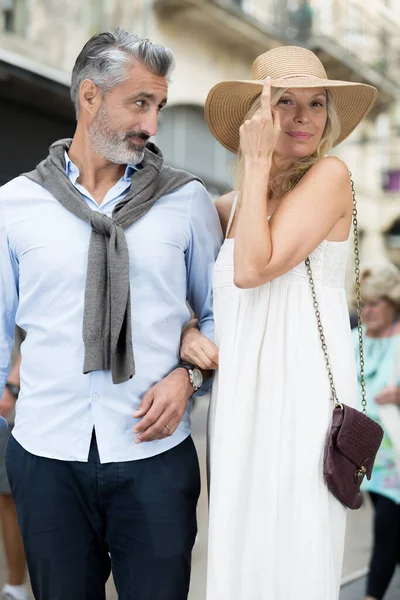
{"x": 212, "y": 40}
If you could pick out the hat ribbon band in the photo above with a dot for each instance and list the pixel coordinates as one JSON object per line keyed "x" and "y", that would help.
{"x": 299, "y": 75}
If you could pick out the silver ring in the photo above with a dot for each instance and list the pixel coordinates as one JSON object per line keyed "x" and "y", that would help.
{"x": 168, "y": 427}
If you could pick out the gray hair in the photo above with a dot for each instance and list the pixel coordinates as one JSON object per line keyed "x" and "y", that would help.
{"x": 106, "y": 58}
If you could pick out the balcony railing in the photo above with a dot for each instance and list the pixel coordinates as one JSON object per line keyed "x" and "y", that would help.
{"x": 224, "y": 19}
{"x": 363, "y": 34}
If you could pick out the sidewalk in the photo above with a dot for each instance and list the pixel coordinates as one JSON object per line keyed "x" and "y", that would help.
{"x": 356, "y": 590}
{"x": 358, "y": 542}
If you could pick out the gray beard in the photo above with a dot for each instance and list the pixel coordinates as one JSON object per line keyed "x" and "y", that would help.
{"x": 111, "y": 145}
{"x": 115, "y": 151}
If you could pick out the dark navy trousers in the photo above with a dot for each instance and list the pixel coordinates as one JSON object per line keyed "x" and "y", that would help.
{"x": 80, "y": 520}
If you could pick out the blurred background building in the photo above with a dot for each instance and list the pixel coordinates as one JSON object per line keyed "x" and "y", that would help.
{"x": 212, "y": 40}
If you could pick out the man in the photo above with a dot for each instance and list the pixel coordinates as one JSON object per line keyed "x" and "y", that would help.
{"x": 101, "y": 247}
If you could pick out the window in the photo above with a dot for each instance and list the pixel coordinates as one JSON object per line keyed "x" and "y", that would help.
{"x": 391, "y": 180}
{"x": 186, "y": 143}
{"x": 14, "y": 12}
{"x": 393, "y": 242}
{"x": 8, "y": 15}
{"x": 393, "y": 235}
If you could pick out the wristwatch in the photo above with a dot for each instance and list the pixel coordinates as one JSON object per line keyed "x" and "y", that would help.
{"x": 13, "y": 388}
{"x": 195, "y": 375}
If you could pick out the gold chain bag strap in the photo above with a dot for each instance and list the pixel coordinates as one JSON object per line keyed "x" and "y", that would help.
{"x": 353, "y": 439}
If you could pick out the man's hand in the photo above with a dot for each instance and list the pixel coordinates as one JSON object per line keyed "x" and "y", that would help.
{"x": 7, "y": 403}
{"x": 389, "y": 395}
{"x": 197, "y": 349}
{"x": 163, "y": 407}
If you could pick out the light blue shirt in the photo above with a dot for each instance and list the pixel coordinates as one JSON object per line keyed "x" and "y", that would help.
{"x": 43, "y": 261}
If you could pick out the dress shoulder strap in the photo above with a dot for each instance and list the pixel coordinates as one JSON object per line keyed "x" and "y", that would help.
{"x": 232, "y": 215}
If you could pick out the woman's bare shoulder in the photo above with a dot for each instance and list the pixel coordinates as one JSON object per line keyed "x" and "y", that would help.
{"x": 332, "y": 167}
{"x": 223, "y": 204}
{"x": 332, "y": 175}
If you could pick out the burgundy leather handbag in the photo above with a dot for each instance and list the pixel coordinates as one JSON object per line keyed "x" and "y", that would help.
{"x": 353, "y": 439}
{"x": 350, "y": 451}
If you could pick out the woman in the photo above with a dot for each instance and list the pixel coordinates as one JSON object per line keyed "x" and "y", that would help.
{"x": 380, "y": 287}
{"x": 275, "y": 531}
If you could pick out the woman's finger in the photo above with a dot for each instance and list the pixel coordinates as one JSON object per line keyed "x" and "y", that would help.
{"x": 192, "y": 356}
{"x": 211, "y": 351}
{"x": 199, "y": 350}
{"x": 208, "y": 360}
{"x": 276, "y": 115}
{"x": 199, "y": 359}
{"x": 266, "y": 98}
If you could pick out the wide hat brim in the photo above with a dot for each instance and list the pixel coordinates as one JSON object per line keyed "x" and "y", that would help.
{"x": 229, "y": 102}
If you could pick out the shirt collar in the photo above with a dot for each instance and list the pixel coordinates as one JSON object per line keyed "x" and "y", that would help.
{"x": 73, "y": 172}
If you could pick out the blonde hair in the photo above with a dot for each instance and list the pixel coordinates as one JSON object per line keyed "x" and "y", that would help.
{"x": 381, "y": 280}
{"x": 281, "y": 183}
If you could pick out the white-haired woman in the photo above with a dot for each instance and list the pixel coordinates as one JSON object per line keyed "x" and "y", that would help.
{"x": 275, "y": 532}
{"x": 380, "y": 288}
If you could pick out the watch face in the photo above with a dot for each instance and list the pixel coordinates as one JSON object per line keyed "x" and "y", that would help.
{"x": 197, "y": 378}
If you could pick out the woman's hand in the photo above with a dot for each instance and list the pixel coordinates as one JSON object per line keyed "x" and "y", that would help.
{"x": 389, "y": 395}
{"x": 198, "y": 350}
{"x": 258, "y": 135}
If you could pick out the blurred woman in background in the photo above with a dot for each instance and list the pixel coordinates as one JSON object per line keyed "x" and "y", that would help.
{"x": 380, "y": 290}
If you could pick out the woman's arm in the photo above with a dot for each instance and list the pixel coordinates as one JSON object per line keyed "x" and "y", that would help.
{"x": 264, "y": 250}
{"x": 389, "y": 395}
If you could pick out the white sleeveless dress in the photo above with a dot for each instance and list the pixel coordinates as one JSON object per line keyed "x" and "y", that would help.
{"x": 275, "y": 531}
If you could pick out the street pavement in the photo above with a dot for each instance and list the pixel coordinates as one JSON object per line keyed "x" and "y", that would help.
{"x": 356, "y": 590}
{"x": 358, "y": 537}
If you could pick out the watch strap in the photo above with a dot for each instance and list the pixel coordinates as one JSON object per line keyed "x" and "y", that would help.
{"x": 13, "y": 388}
{"x": 189, "y": 368}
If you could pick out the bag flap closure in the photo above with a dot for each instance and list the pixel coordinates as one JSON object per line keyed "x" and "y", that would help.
{"x": 359, "y": 438}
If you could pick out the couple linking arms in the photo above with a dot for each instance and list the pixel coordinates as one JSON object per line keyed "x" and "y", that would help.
{"x": 102, "y": 247}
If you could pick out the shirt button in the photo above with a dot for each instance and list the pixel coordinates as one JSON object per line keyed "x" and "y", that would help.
{"x": 95, "y": 396}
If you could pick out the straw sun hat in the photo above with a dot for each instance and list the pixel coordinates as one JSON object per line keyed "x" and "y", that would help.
{"x": 289, "y": 67}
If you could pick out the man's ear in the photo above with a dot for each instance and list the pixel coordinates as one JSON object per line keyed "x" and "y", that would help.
{"x": 89, "y": 97}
